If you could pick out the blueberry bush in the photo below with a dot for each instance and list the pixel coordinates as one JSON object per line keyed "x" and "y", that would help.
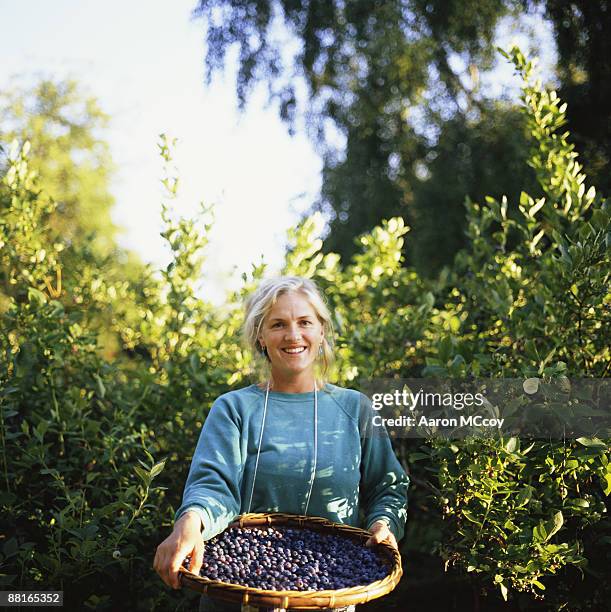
{"x": 94, "y": 450}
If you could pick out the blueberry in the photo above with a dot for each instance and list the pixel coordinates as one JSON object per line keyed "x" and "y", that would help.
{"x": 289, "y": 559}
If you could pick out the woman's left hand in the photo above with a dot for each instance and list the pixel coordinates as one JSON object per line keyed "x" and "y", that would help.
{"x": 379, "y": 532}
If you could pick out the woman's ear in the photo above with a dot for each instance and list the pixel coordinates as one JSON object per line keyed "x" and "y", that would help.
{"x": 262, "y": 349}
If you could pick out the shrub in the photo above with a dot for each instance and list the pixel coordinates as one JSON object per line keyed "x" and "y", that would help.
{"x": 93, "y": 451}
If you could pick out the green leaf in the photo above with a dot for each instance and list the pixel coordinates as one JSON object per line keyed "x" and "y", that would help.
{"x": 536, "y": 208}
{"x": 58, "y": 308}
{"x": 101, "y": 387}
{"x": 194, "y": 362}
{"x": 579, "y": 502}
{"x": 554, "y": 525}
{"x": 51, "y": 471}
{"x": 445, "y": 348}
{"x": 528, "y": 449}
{"x": 503, "y": 591}
{"x": 509, "y": 525}
{"x": 418, "y": 456}
{"x": 538, "y": 584}
{"x": 525, "y": 199}
{"x": 40, "y": 430}
{"x": 38, "y": 297}
{"x": 539, "y": 533}
{"x": 144, "y": 476}
{"x": 511, "y": 445}
{"x": 470, "y": 517}
{"x": 535, "y": 240}
{"x": 157, "y": 469}
{"x": 600, "y": 219}
{"x": 593, "y": 443}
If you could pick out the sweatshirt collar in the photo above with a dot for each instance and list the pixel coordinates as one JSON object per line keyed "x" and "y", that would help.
{"x": 289, "y": 397}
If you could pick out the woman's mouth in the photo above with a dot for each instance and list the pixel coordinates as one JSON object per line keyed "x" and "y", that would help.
{"x": 297, "y": 350}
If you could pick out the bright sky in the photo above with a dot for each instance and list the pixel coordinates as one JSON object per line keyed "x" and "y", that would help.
{"x": 143, "y": 60}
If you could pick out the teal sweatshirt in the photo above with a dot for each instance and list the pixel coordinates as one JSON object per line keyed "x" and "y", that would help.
{"x": 356, "y": 468}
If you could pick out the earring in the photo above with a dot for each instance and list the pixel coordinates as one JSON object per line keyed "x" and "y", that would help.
{"x": 263, "y": 350}
{"x": 320, "y": 350}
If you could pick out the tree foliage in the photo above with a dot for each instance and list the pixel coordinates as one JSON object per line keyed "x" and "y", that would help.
{"x": 380, "y": 76}
{"x": 68, "y": 154}
{"x": 70, "y": 158}
{"x": 78, "y": 431}
{"x": 390, "y": 87}
{"x": 532, "y": 296}
{"x": 581, "y": 31}
{"x": 93, "y": 451}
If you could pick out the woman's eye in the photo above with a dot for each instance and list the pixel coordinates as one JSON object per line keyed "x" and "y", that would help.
{"x": 306, "y": 322}
{"x": 276, "y": 324}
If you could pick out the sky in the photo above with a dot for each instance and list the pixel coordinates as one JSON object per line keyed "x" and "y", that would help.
{"x": 143, "y": 61}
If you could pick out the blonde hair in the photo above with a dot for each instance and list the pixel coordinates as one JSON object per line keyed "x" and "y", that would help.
{"x": 260, "y": 303}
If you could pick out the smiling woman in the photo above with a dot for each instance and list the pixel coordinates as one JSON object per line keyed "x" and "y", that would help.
{"x": 292, "y": 443}
{"x": 288, "y": 323}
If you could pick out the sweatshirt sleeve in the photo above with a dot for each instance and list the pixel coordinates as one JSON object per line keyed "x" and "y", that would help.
{"x": 384, "y": 482}
{"x": 213, "y": 484}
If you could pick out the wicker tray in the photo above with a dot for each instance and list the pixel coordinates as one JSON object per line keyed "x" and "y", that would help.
{"x": 304, "y": 600}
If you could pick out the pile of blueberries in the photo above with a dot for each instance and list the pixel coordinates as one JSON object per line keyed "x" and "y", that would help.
{"x": 282, "y": 559}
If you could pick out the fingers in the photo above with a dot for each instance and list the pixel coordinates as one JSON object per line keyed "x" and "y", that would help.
{"x": 376, "y": 538}
{"x": 168, "y": 560}
{"x": 173, "y": 573}
{"x": 167, "y": 568}
{"x": 197, "y": 558}
{"x": 380, "y": 532}
{"x": 183, "y": 541}
{"x": 160, "y": 565}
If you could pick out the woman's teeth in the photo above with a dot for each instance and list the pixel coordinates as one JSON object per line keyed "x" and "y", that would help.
{"x": 294, "y": 351}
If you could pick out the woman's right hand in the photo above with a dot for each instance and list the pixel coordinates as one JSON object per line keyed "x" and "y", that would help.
{"x": 185, "y": 540}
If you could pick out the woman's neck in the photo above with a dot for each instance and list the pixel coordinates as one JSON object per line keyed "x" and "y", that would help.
{"x": 301, "y": 384}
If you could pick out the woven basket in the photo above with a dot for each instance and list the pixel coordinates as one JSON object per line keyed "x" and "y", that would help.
{"x": 304, "y": 600}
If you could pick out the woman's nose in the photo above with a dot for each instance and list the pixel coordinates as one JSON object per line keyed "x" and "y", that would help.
{"x": 293, "y": 331}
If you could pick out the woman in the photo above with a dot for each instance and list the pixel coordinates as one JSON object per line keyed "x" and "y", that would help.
{"x": 292, "y": 444}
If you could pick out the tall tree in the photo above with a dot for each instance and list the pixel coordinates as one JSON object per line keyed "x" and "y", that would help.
{"x": 371, "y": 69}
{"x": 73, "y": 165}
{"x": 72, "y": 161}
{"x": 395, "y": 83}
{"x": 582, "y": 34}
{"x": 472, "y": 158}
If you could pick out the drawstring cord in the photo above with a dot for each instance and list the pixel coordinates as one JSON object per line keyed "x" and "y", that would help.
{"x": 315, "y": 449}
{"x": 313, "y": 476}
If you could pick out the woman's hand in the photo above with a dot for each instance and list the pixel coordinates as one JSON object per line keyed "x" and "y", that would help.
{"x": 379, "y": 532}
{"x": 185, "y": 540}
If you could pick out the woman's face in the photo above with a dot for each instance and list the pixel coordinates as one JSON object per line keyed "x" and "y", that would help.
{"x": 292, "y": 334}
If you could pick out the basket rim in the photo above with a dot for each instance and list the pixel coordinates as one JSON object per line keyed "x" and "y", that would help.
{"x": 311, "y": 599}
